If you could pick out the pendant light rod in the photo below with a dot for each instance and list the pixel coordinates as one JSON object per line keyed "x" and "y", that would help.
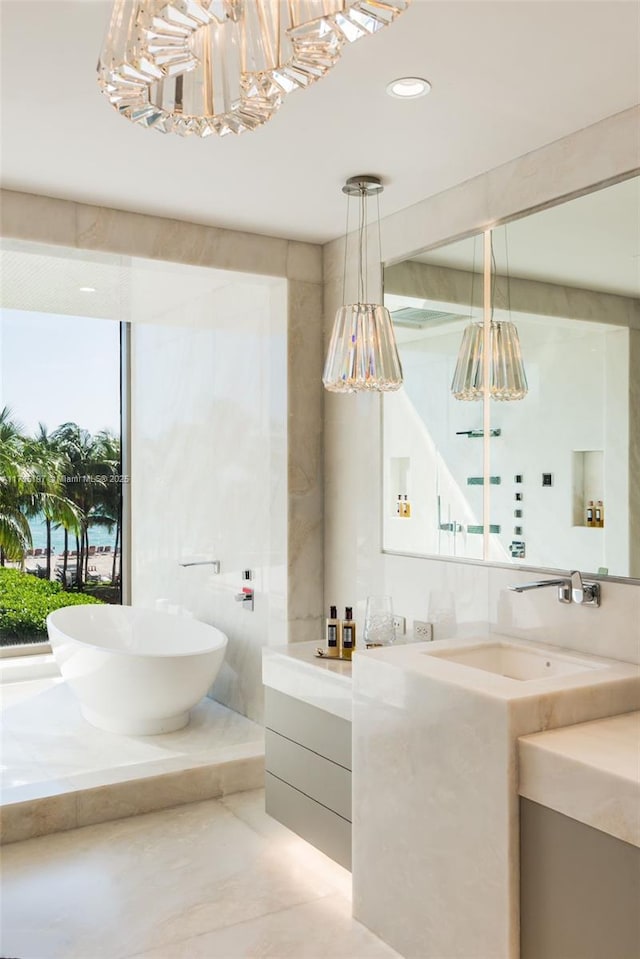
{"x": 487, "y": 320}
{"x": 362, "y": 273}
{"x": 363, "y": 186}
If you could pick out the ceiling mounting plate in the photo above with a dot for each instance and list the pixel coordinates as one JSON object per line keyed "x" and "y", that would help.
{"x": 363, "y": 185}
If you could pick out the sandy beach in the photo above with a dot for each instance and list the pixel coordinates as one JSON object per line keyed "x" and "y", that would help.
{"x": 100, "y": 565}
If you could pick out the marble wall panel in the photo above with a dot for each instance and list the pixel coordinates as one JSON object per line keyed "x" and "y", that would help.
{"x": 305, "y": 436}
{"x": 44, "y": 219}
{"x": 209, "y": 476}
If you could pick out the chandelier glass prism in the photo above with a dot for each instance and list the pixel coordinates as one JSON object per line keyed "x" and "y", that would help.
{"x": 225, "y": 66}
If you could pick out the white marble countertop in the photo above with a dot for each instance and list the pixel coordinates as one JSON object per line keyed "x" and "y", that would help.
{"x": 590, "y": 772}
{"x": 296, "y": 671}
{"x": 424, "y": 659}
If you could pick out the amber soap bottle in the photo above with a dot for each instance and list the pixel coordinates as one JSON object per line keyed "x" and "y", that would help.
{"x": 333, "y": 633}
{"x": 589, "y": 514}
{"x": 348, "y": 634}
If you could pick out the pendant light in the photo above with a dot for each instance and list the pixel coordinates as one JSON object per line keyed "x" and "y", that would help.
{"x": 362, "y": 355}
{"x": 507, "y": 377}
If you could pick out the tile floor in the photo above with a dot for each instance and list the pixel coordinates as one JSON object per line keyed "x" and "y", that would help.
{"x": 211, "y": 880}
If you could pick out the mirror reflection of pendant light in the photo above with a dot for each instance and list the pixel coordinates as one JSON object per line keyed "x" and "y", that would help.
{"x": 362, "y": 355}
{"x": 507, "y": 378}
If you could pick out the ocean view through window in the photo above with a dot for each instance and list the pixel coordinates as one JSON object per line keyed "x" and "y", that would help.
{"x": 61, "y": 477}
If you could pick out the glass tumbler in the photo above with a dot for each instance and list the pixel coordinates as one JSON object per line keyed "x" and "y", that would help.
{"x": 378, "y": 621}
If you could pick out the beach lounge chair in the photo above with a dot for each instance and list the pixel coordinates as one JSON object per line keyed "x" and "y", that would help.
{"x": 107, "y": 549}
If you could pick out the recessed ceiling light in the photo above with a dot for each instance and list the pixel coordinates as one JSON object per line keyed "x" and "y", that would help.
{"x": 87, "y": 289}
{"x": 408, "y": 88}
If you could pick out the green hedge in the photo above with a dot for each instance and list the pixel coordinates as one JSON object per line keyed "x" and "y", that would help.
{"x": 25, "y": 603}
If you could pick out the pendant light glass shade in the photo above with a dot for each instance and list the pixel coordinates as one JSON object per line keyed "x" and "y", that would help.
{"x": 467, "y": 378}
{"x": 362, "y": 355}
{"x": 507, "y": 378}
{"x": 225, "y": 66}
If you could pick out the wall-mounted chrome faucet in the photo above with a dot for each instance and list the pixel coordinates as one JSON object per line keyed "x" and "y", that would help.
{"x": 204, "y": 562}
{"x": 571, "y": 589}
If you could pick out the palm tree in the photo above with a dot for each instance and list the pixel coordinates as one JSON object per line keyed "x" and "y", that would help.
{"x": 72, "y": 441}
{"x": 107, "y": 510}
{"x": 49, "y": 497}
{"x": 65, "y": 438}
{"x": 16, "y": 480}
{"x": 85, "y": 482}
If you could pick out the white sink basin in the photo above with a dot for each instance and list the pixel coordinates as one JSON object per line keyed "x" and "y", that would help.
{"x": 515, "y": 661}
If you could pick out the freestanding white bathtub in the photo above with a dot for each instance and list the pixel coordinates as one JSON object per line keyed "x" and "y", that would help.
{"x": 135, "y": 671}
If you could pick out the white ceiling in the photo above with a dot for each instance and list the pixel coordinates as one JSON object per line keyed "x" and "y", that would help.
{"x": 592, "y": 242}
{"x": 508, "y": 76}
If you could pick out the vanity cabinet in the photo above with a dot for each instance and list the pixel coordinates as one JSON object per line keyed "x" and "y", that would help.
{"x": 308, "y": 772}
{"x": 579, "y": 889}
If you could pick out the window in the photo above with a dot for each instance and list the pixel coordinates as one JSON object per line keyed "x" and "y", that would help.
{"x": 61, "y": 476}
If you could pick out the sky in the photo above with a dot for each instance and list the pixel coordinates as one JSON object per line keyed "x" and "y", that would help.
{"x": 57, "y": 369}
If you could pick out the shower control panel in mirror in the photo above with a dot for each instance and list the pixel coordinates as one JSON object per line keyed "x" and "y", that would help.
{"x": 551, "y": 346}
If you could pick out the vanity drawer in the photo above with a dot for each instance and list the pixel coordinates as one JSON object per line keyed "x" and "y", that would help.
{"x": 309, "y": 726}
{"x": 321, "y": 779}
{"x": 325, "y": 830}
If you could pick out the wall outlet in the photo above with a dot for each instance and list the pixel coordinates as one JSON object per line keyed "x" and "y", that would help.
{"x": 400, "y": 625}
{"x": 423, "y": 631}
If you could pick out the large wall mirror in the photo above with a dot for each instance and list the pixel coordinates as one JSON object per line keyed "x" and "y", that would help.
{"x": 549, "y": 480}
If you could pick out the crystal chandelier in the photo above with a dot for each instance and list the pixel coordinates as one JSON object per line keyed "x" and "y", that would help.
{"x": 225, "y": 66}
{"x": 362, "y": 354}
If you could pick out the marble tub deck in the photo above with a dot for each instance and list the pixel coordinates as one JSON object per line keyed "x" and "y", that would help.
{"x": 59, "y": 772}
